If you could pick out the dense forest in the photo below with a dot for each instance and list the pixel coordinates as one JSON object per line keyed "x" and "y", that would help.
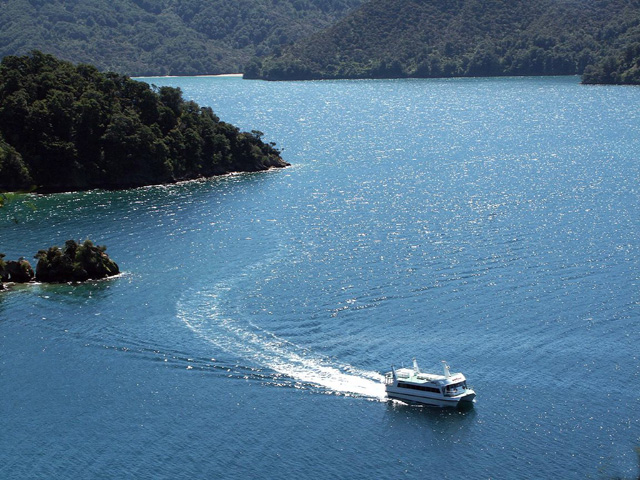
{"x": 444, "y": 38}
{"x": 70, "y": 127}
{"x": 310, "y": 39}
{"x": 162, "y": 37}
{"x": 620, "y": 69}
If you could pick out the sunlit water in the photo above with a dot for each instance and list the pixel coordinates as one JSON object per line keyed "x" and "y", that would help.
{"x": 492, "y": 223}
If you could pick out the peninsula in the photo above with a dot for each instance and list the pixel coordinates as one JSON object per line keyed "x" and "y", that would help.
{"x": 66, "y": 127}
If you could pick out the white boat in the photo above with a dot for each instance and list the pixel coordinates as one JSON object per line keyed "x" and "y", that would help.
{"x": 412, "y": 386}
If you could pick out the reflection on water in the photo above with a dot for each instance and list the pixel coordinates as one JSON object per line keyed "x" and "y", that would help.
{"x": 76, "y": 292}
{"x": 421, "y": 218}
{"x": 433, "y": 413}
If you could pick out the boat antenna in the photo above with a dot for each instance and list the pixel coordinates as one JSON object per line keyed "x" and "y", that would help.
{"x": 393, "y": 371}
{"x": 415, "y": 366}
{"x": 447, "y": 373}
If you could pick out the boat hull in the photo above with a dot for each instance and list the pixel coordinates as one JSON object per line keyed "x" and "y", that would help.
{"x": 437, "y": 401}
{"x": 414, "y": 386}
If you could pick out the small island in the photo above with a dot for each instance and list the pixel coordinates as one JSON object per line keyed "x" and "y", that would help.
{"x": 76, "y": 262}
{"x": 66, "y": 127}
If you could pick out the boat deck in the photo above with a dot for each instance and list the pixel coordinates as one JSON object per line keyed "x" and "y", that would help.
{"x": 408, "y": 375}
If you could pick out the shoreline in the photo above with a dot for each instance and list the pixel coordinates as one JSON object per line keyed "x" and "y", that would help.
{"x": 152, "y": 185}
{"x": 221, "y": 75}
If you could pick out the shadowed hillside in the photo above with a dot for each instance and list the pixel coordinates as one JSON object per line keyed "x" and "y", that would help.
{"x": 445, "y": 38}
{"x": 162, "y": 37}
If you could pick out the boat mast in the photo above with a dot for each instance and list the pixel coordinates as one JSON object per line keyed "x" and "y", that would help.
{"x": 447, "y": 373}
{"x": 415, "y": 366}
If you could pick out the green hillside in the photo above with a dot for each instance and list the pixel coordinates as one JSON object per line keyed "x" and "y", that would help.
{"x": 620, "y": 69}
{"x": 162, "y": 37}
{"x": 444, "y": 38}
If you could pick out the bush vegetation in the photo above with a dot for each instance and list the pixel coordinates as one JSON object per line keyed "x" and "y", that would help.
{"x": 3, "y": 265}
{"x": 70, "y": 127}
{"x": 621, "y": 69}
{"x": 76, "y": 262}
{"x": 19, "y": 271}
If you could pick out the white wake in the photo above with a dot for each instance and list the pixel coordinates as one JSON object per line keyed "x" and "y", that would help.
{"x": 200, "y": 312}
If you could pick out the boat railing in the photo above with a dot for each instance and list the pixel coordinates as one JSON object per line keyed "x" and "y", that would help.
{"x": 388, "y": 379}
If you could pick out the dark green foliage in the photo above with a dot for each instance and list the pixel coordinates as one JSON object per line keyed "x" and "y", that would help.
{"x": 444, "y": 38}
{"x": 623, "y": 69}
{"x": 162, "y": 37}
{"x": 75, "y": 263}
{"x": 66, "y": 127}
{"x": 15, "y": 271}
{"x": 3, "y": 271}
{"x": 3, "y": 265}
{"x": 14, "y": 175}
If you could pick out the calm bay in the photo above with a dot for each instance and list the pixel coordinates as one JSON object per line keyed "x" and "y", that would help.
{"x": 492, "y": 223}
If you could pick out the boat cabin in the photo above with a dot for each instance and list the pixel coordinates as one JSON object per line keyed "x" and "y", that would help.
{"x": 413, "y": 385}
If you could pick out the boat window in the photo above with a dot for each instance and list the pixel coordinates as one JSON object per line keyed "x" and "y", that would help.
{"x": 454, "y": 387}
{"x": 423, "y": 388}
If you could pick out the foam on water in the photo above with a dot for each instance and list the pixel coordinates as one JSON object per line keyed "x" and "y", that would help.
{"x": 200, "y": 312}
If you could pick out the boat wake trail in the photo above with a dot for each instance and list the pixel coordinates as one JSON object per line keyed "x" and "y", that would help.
{"x": 258, "y": 348}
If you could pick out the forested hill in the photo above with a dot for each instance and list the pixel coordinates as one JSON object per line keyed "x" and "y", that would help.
{"x": 67, "y": 127}
{"x": 443, "y": 38}
{"x": 622, "y": 68}
{"x": 162, "y": 37}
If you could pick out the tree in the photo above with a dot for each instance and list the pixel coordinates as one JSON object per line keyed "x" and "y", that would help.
{"x": 66, "y": 127}
{"x": 14, "y": 174}
{"x": 75, "y": 263}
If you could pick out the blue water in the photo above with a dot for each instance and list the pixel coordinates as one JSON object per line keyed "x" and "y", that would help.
{"x": 492, "y": 223}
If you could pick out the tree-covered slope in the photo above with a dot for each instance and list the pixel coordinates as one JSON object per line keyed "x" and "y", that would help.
{"x": 442, "y": 38}
{"x": 620, "y": 69}
{"x": 162, "y": 37}
{"x": 68, "y": 127}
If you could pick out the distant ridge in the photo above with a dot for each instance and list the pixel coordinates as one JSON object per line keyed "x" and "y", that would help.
{"x": 447, "y": 38}
{"x": 162, "y": 37}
